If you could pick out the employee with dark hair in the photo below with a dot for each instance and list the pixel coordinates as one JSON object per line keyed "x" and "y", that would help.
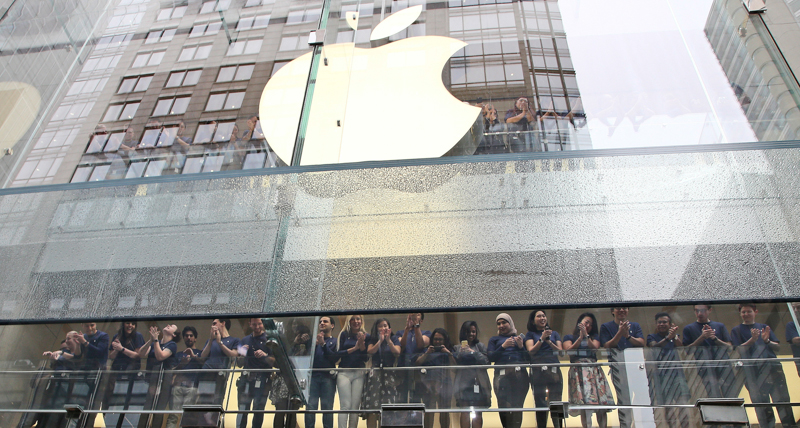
{"x": 323, "y": 377}
{"x": 437, "y": 382}
{"x": 764, "y": 376}
{"x": 510, "y": 383}
{"x": 379, "y": 389}
{"x": 253, "y": 384}
{"x": 184, "y": 383}
{"x": 587, "y": 382}
{"x": 667, "y": 381}
{"x": 710, "y": 341}
{"x": 618, "y": 335}
{"x": 543, "y": 345}
{"x": 413, "y": 341}
{"x": 161, "y": 355}
{"x": 472, "y": 386}
{"x": 793, "y": 338}
{"x": 217, "y": 354}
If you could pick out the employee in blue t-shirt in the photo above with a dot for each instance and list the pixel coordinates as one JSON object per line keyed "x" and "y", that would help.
{"x": 618, "y": 335}
{"x": 543, "y": 345}
{"x": 710, "y": 341}
{"x": 217, "y": 354}
{"x": 763, "y": 378}
{"x": 793, "y": 338}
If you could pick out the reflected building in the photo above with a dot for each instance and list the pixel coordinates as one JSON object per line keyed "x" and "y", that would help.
{"x": 743, "y": 45}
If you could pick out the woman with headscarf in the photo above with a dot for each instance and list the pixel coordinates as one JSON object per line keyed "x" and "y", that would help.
{"x": 510, "y": 383}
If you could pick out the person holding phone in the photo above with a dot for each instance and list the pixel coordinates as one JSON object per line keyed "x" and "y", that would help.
{"x": 437, "y": 382}
{"x": 472, "y": 386}
{"x": 510, "y": 383}
{"x": 543, "y": 345}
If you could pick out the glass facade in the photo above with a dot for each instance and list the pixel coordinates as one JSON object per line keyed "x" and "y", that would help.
{"x": 266, "y": 171}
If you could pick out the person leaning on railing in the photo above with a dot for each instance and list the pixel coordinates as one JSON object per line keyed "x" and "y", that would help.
{"x": 587, "y": 382}
{"x": 510, "y": 383}
{"x": 472, "y": 387}
{"x": 764, "y": 378}
{"x": 543, "y": 345}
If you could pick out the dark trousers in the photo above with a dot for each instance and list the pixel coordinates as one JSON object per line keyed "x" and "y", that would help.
{"x": 511, "y": 388}
{"x": 158, "y": 394}
{"x": 547, "y": 385}
{"x": 252, "y": 390}
{"x": 322, "y": 392}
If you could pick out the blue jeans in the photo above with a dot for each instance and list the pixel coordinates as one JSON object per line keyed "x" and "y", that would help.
{"x": 322, "y": 390}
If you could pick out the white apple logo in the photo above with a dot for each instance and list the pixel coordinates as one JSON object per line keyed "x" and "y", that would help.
{"x": 383, "y": 103}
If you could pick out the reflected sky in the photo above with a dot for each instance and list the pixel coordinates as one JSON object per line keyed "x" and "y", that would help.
{"x": 648, "y": 75}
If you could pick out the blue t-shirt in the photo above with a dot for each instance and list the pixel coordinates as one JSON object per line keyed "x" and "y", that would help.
{"x": 96, "y": 350}
{"x": 411, "y": 351}
{"x": 193, "y": 364}
{"x": 216, "y": 358}
{"x": 355, "y": 360}
{"x": 500, "y": 355}
{"x": 124, "y": 362}
{"x": 791, "y": 333}
{"x": 741, "y": 334}
{"x": 546, "y": 353}
{"x": 325, "y": 355}
{"x": 582, "y": 351}
{"x": 168, "y": 363}
{"x": 254, "y": 344}
{"x": 708, "y": 349}
{"x": 384, "y": 356}
{"x": 610, "y": 329}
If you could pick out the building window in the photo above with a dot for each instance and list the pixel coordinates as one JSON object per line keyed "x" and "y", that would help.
{"x": 157, "y": 36}
{"x": 301, "y": 16}
{"x": 190, "y": 53}
{"x": 205, "y": 28}
{"x": 175, "y": 105}
{"x": 214, "y": 132}
{"x": 235, "y": 72}
{"x": 225, "y": 101}
{"x": 87, "y": 86}
{"x": 134, "y": 84}
{"x": 147, "y": 59}
{"x": 159, "y": 137}
{"x": 292, "y": 43}
{"x": 252, "y": 3}
{"x": 215, "y": 5}
{"x": 71, "y": 110}
{"x": 125, "y": 20}
{"x": 105, "y": 142}
{"x": 365, "y": 9}
{"x": 112, "y": 42}
{"x": 244, "y": 47}
{"x": 183, "y": 78}
{"x": 101, "y": 63}
{"x": 121, "y": 111}
{"x": 171, "y": 13}
{"x": 253, "y": 22}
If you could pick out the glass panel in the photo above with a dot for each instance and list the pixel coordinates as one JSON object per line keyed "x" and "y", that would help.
{"x": 226, "y": 74}
{"x": 154, "y": 168}
{"x": 162, "y": 107}
{"x": 167, "y": 137}
{"x": 215, "y": 102}
{"x": 180, "y": 105}
{"x": 175, "y": 79}
{"x": 127, "y": 85}
{"x": 143, "y": 84}
{"x": 114, "y": 141}
{"x": 193, "y": 165}
{"x": 97, "y": 143}
{"x": 149, "y": 139}
{"x": 244, "y": 72}
{"x": 113, "y": 112}
{"x": 187, "y": 53}
{"x": 234, "y": 100}
{"x": 99, "y": 173}
{"x": 203, "y": 51}
{"x": 253, "y": 47}
{"x": 156, "y": 58}
{"x": 81, "y": 174}
{"x": 204, "y": 133}
{"x": 213, "y": 163}
{"x": 224, "y": 131}
{"x": 192, "y": 77}
{"x": 136, "y": 169}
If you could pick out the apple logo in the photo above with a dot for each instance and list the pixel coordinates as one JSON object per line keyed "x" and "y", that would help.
{"x": 383, "y": 103}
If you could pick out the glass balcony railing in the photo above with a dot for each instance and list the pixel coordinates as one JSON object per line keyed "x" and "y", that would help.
{"x": 453, "y": 368}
